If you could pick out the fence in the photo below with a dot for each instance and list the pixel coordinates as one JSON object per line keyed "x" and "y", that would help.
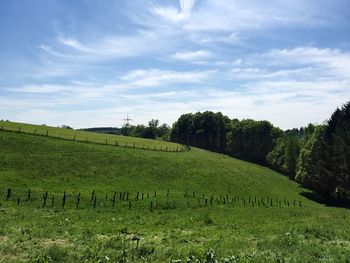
{"x": 109, "y": 142}
{"x": 156, "y": 200}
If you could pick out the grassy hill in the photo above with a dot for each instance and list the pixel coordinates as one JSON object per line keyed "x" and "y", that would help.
{"x": 153, "y": 206}
{"x": 90, "y": 137}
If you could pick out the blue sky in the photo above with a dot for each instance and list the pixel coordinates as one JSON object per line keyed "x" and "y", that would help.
{"x": 89, "y": 63}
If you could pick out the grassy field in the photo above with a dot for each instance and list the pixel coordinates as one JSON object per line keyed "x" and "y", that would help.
{"x": 91, "y": 137}
{"x": 192, "y": 206}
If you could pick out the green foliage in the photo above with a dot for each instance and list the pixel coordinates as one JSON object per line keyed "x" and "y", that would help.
{"x": 285, "y": 154}
{"x": 252, "y": 140}
{"x": 152, "y": 131}
{"x": 337, "y": 137}
{"x": 206, "y": 130}
{"x": 324, "y": 163}
{"x": 313, "y": 167}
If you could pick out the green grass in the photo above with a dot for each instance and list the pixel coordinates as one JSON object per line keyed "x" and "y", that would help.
{"x": 91, "y": 137}
{"x": 265, "y": 233}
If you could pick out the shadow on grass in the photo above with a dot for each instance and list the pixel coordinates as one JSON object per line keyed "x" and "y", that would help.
{"x": 326, "y": 201}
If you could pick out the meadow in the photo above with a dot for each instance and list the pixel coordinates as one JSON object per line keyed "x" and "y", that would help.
{"x": 69, "y": 201}
{"x": 90, "y": 137}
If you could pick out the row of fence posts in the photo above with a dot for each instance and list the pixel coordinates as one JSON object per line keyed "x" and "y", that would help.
{"x": 126, "y": 145}
{"x": 124, "y": 196}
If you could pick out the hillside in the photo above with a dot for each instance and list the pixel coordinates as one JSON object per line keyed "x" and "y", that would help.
{"x": 180, "y": 205}
{"x": 90, "y": 137}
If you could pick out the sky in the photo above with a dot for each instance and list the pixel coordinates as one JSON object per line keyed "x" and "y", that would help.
{"x": 90, "y": 63}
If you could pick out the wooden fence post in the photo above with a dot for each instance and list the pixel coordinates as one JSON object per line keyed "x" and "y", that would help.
{"x": 45, "y": 198}
{"x": 8, "y": 195}
{"x": 114, "y": 197}
{"x": 78, "y": 201}
{"x": 92, "y": 195}
{"x": 64, "y": 199}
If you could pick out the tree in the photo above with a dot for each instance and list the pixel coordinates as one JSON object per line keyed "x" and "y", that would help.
{"x": 314, "y": 170}
{"x": 284, "y": 155}
{"x": 337, "y": 136}
{"x": 205, "y": 130}
{"x": 252, "y": 140}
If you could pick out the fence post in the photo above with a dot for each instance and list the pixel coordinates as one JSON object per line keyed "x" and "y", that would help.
{"x": 78, "y": 201}
{"x": 8, "y": 194}
{"x": 114, "y": 196}
{"x": 64, "y": 199}
{"x": 92, "y": 195}
{"x": 45, "y": 198}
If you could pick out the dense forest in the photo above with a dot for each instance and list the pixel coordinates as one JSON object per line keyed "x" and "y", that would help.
{"x": 317, "y": 156}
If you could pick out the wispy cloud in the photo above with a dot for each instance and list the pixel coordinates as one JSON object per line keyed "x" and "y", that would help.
{"x": 192, "y": 55}
{"x": 164, "y": 58}
{"x": 156, "y": 77}
{"x": 107, "y": 48}
{"x": 213, "y": 15}
{"x": 329, "y": 59}
{"x": 173, "y": 14}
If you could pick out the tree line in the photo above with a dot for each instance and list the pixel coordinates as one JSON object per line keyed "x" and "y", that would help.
{"x": 151, "y": 131}
{"x": 317, "y": 156}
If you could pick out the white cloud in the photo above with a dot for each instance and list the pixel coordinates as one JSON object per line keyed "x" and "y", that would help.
{"x": 172, "y": 14}
{"x": 71, "y": 42}
{"x": 192, "y": 55}
{"x": 156, "y": 77}
{"x": 330, "y": 59}
{"x": 216, "y": 15}
{"x": 70, "y": 50}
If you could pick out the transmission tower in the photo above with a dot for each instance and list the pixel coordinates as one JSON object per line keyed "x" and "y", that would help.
{"x": 127, "y": 120}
